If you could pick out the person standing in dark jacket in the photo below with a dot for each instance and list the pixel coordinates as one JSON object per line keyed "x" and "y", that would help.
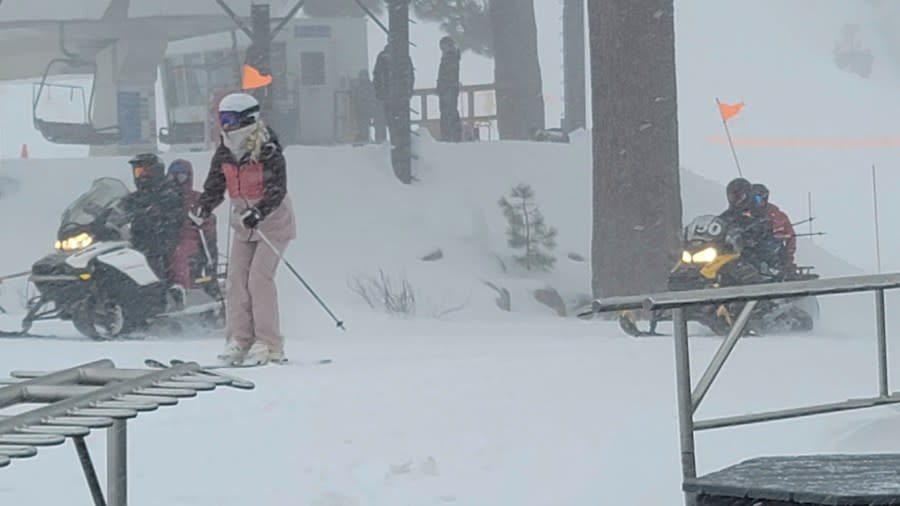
{"x": 381, "y": 79}
{"x": 381, "y": 82}
{"x": 448, "y": 90}
{"x": 250, "y": 166}
{"x": 155, "y": 212}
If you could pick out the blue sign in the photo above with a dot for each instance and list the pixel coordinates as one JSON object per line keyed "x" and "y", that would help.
{"x": 128, "y": 104}
{"x": 312, "y": 32}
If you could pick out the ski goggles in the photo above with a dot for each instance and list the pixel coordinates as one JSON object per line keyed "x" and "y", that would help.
{"x": 231, "y": 120}
{"x": 141, "y": 171}
{"x": 758, "y": 200}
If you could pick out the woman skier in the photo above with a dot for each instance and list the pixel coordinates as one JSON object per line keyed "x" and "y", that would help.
{"x": 250, "y": 165}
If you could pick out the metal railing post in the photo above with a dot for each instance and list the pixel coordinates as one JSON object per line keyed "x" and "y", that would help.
{"x": 881, "y": 323}
{"x": 116, "y": 463}
{"x": 685, "y": 408}
{"x": 715, "y": 366}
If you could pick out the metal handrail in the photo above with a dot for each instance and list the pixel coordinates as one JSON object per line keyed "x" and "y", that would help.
{"x": 689, "y": 401}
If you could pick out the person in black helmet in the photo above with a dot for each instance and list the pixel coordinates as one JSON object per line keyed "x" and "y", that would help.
{"x": 156, "y": 212}
{"x": 738, "y": 194}
{"x": 751, "y": 231}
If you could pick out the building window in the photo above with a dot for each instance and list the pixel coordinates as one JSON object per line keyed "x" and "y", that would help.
{"x": 312, "y": 68}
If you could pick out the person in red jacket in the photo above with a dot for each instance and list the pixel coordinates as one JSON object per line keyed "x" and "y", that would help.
{"x": 781, "y": 225}
{"x": 189, "y": 256}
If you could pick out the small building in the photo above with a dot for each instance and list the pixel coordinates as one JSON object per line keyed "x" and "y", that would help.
{"x": 315, "y": 62}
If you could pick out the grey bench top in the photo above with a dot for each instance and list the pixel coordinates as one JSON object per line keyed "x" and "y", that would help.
{"x": 872, "y": 479}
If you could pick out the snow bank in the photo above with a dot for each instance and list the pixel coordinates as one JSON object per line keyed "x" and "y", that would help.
{"x": 357, "y": 219}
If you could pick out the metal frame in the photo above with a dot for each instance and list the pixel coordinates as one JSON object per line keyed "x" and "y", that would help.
{"x": 689, "y": 401}
{"x": 95, "y": 395}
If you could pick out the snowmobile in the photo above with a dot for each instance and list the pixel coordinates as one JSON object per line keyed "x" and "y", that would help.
{"x": 712, "y": 257}
{"x": 105, "y": 287}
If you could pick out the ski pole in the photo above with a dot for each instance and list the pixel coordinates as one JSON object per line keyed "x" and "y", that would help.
{"x": 14, "y": 276}
{"x": 265, "y": 239}
{"x": 209, "y": 258}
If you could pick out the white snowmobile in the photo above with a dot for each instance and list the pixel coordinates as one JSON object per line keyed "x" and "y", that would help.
{"x": 96, "y": 279}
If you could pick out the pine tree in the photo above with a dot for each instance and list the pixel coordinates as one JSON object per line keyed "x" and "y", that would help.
{"x": 528, "y": 230}
{"x": 334, "y": 8}
{"x": 467, "y": 21}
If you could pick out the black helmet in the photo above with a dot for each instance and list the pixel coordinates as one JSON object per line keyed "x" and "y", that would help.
{"x": 760, "y": 194}
{"x": 147, "y": 169}
{"x": 738, "y": 192}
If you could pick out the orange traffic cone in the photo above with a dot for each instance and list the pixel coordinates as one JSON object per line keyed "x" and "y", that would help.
{"x": 24, "y": 154}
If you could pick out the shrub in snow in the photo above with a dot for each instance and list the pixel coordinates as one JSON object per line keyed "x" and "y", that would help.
{"x": 527, "y": 230}
{"x": 383, "y": 294}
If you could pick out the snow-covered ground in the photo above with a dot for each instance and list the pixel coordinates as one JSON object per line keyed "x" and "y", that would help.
{"x": 530, "y": 411}
{"x": 477, "y": 405}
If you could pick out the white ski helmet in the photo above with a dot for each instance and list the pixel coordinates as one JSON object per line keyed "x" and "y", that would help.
{"x": 238, "y": 110}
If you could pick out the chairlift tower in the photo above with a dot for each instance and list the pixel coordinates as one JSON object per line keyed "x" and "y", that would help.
{"x": 259, "y": 55}
{"x": 574, "y": 78}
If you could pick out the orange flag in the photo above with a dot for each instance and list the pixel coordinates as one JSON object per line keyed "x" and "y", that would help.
{"x": 729, "y": 111}
{"x": 253, "y": 79}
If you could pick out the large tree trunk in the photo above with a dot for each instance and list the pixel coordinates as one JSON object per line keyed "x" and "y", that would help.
{"x": 401, "y": 87}
{"x": 637, "y": 194}
{"x": 517, "y": 71}
{"x": 573, "y": 66}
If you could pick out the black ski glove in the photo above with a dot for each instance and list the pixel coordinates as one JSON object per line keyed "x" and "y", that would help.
{"x": 251, "y": 218}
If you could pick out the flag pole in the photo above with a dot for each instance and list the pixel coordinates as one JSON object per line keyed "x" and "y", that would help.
{"x": 730, "y": 142}
{"x": 809, "y": 208}
{"x": 875, "y": 210}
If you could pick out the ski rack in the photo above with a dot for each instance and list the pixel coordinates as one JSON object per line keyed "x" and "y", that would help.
{"x": 689, "y": 401}
{"x": 92, "y": 396}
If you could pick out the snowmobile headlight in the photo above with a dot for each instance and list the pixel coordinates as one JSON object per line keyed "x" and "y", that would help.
{"x": 705, "y": 256}
{"x": 686, "y": 257}
{"x": 74, "y": 243}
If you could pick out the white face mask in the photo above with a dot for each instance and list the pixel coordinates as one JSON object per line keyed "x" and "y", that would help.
{"x": 236, "y": 140}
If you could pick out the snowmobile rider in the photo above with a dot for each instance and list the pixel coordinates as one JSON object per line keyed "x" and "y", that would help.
{"x": 189, "y": 251}
{"x": 738, "y": 194}
{"x": 249, "y": 164}
{"x": 781, "y": 228}
{"x": 754, "y": 233}
{"x": 155, "y": 212}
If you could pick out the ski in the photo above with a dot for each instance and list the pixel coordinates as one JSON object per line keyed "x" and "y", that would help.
{"x": 27, "y": 335}
{"x": 233, "y": 381}
{"x": 322, "y": 361}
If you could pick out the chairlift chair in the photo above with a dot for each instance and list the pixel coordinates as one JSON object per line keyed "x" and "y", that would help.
{"x": 60, "y": 132}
